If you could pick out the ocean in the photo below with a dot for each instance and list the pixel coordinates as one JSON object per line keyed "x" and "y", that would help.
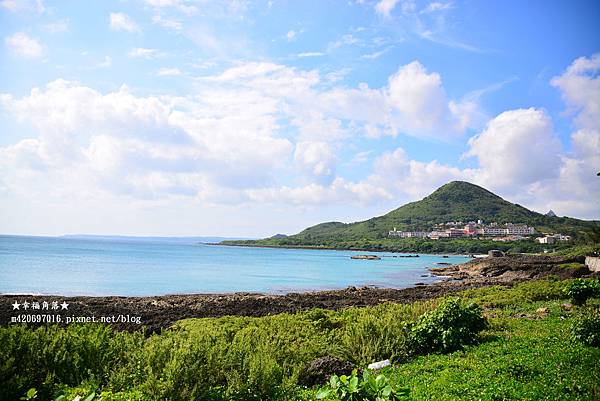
{"x": 158, "y": 266}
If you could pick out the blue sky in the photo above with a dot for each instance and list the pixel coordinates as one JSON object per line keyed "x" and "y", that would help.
{"x": 192, "y": 117}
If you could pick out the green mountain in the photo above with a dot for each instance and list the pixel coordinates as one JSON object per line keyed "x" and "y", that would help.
{"x": 455, "y": 201}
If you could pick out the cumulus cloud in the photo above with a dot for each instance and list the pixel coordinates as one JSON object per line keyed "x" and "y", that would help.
{"x": 580, "y": 88}
{"x": 385, "y": 7}
{"x": 140, "y": 146}
{"x": 24, "y": 46}
{"x": 418, "y": 100}
{"x": 122, "y": 22}
{"x": 264, "y": 132}
{"x": 518, "y": 147}
{"x": 316, "y": 160}
{"x": 230, "y": 140}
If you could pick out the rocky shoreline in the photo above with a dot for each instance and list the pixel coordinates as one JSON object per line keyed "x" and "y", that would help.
{"x": 160, "y": 312}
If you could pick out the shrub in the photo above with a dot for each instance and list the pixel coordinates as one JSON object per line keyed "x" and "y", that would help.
{"x": 359, "y": 388}
{"x": 586, "y": 329}
{"x": 580, "y": 290}
{"x": 452, "y": 325}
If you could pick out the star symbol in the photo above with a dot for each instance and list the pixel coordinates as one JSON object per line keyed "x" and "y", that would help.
{"x": 16, "y": 305}
{"x": 64, "y": 305}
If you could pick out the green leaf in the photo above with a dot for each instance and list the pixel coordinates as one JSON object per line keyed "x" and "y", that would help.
{"x": 323, "y": 393}
{"x": 90, "y": 397}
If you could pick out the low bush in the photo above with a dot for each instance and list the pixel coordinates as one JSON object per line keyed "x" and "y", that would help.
{"x": 586, "y": 329}
{"x": 449, "y": 327}
{"x": 365, "y": 387}
{"x": 582, "y": 289}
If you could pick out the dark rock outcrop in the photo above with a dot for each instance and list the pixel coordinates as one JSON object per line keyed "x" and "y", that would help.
{"x": 321, "y": 369}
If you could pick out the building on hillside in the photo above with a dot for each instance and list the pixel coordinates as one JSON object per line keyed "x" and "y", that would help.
{"x": 408, "y": 234}
{"x": 510, "y": 238}
{"x": 438, "y": 234}
{"x": 550, "y": 239}
{"x": 546, "y": 240}
{"x": 455, "y": 232}
{"x": 519, "y": 229}
{"x": 470, "y": 228}
{"x": 494, "y": 230}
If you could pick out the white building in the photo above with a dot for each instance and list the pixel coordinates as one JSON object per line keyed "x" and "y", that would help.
{"x": 494, "y": 231}
{"x": 550, "y": 239}
{"x": 519, "y": 229}
{"x": 438, "y": 234}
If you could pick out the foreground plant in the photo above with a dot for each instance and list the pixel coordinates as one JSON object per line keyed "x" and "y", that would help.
{"x": 449, "y": 327}
{"x": 582, "y": 289}
{"x": 586, "y": 329}
{"x": 359, "y": 388}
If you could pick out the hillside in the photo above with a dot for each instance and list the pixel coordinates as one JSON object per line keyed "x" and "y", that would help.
{"x": 455, "y": 201}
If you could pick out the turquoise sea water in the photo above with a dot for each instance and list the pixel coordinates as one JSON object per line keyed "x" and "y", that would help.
{"x": 66, "y": 266}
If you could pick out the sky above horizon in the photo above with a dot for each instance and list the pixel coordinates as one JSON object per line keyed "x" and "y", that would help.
{"x": 243, "y": 118}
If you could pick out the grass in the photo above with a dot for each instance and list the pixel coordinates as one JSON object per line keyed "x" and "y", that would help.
{"x": 524, "y": 354}
{"x": 521, "y": 359}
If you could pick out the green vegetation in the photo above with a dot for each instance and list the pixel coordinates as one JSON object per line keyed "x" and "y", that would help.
{"x": 449, "y": 327}
{"x": 408, "y": 245}
{"x": 361, "y": 388}
{"x": 455, "y": 201}
{"x": 581, "y": 289}
{"x": 437, "y": 348}
{"x": 587, "y": 328}
{"x": 578, "y": 250}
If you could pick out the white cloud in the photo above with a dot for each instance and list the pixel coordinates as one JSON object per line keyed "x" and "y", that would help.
{"x": 24, "y": 5}
{"x": 253, "y": 131}
{"x": 419, "y": 106}
{"x": 168, "y": 72}
{"x": 517, "y": 148}
{"x": 375, "y": 55}
{"x": 107, "y": 62}
{"x": 316, "y": 160}
{"x": 182, "y": 6}
{"x": 580, "y": 88}
{"x": 385, "y": 7}
{"x": 122, "y": 22}
{"x": 167, "y": 23}
{"x": 57, "y": 27}
{"x": 290, "y": 36}
{"x": 24, "y": 46}
{"x": 141, "y": 52}
{"x": 310, "y": 54}
{"x": 142, "y": 147}
{"x": 436, "y": 6}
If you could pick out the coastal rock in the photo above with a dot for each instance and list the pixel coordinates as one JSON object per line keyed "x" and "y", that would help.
{"x": 366, "y": 257}
{"x": 321, "y": 369}
{"x": 509, "y": 268}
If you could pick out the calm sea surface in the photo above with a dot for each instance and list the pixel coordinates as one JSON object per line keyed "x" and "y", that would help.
{"x": 65, "y": 266}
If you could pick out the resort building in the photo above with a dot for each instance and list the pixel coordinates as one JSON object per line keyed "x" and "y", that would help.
{"x": 551, "y": 239}
{"x": 519, "y": 229}
{"x": 408, "y": 234}
{"x": 438, "y": 234}
{"x": 470, "y": 229}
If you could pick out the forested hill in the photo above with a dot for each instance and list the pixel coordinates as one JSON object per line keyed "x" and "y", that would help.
{"x": 455, "y": 201}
